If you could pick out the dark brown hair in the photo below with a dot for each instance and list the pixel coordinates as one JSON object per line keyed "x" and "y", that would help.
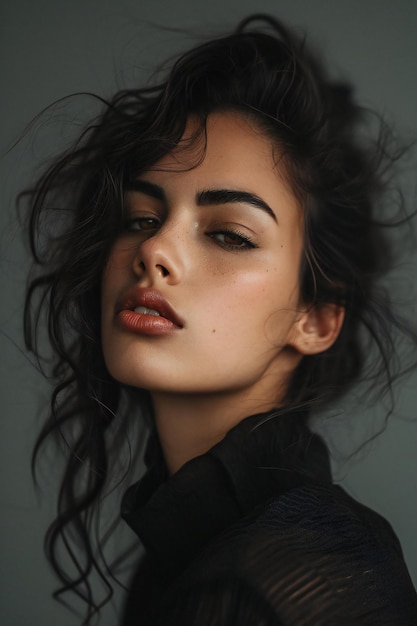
{"x": 76, "y": 208}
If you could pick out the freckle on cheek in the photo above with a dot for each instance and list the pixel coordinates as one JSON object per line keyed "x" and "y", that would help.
{"x": 214, "y": 330}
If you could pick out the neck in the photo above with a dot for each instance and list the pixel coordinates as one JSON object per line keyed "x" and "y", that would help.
{"x": 189, "y": 426}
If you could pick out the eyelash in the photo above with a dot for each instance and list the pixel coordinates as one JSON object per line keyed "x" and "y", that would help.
{"x": 248, "y": 244}
{"x": 130, "y": 223}
{"x": 245, "y": 242}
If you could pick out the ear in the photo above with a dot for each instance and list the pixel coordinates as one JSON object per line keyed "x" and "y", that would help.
{"x": 317, "y": 328}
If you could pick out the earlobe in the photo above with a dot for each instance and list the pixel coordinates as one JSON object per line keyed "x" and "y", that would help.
{"x": 317, "y": 328}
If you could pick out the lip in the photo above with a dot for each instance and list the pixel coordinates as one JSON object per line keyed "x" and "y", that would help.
{"x": 167, "y": 321}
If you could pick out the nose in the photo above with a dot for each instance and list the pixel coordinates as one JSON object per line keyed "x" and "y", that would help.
{"x": 161, "y": 256}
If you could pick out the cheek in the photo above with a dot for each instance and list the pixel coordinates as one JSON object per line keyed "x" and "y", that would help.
{"x": 260, "y": 304}
{"x": 275, "y": 302}
{"x": 279, "y": 326}
{"x": 107, "y": 292}
{"x": 115, "y": 272}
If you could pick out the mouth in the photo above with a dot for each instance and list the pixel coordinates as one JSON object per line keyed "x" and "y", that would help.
{"x": 144, "y": 303}
{"x": 143, "y": 310}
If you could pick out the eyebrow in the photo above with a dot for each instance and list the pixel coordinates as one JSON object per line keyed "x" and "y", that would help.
{"x": 206, "y": 197}
{"x": 228, "y": 196}
{"x": 150, "y": 189}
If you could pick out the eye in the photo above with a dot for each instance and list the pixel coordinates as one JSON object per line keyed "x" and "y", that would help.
{"x": 233, "y": 239}
{"x": 142, "y": 224}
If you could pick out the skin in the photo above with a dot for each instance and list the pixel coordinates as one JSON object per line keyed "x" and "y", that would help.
{"x": 244, "y": 326}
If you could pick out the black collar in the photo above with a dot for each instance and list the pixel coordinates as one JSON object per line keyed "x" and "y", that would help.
{"x": 260, "y": 458}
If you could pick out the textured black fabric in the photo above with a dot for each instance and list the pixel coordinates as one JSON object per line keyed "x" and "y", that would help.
{"x": 253, "y": 533}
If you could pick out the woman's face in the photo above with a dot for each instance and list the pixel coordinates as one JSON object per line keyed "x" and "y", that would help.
{"x": 215, "y": 251}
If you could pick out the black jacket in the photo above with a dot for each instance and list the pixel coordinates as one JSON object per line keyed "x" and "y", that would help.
{"x": 253, "y": 533}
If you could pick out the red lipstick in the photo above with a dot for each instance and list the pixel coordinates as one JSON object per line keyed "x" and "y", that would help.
{"x": 159, "y": 319}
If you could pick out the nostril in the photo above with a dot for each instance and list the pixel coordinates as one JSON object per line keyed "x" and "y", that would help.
{"x": 163, "y": 270}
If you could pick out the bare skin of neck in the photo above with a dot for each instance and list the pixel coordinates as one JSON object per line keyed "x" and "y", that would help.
{"x": 188, "y": 426}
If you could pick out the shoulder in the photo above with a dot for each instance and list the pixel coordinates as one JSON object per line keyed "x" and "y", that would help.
{"x": 313, "y": 551}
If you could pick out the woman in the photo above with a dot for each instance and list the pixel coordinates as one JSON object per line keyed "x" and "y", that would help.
{"x": 214, "y": 258}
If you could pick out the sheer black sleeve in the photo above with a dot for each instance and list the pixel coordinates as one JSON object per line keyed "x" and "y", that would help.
{"x": 313, "y": 557}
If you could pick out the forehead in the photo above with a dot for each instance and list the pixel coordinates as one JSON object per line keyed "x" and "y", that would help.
{"x": 229, "y": 150}
{"x": 222, "y": 134}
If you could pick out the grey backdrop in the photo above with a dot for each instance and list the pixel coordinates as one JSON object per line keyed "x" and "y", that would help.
{"x": 52, "y": 48}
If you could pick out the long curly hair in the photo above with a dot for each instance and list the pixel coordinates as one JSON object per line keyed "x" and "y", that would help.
{"x": 75, "y": 211}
